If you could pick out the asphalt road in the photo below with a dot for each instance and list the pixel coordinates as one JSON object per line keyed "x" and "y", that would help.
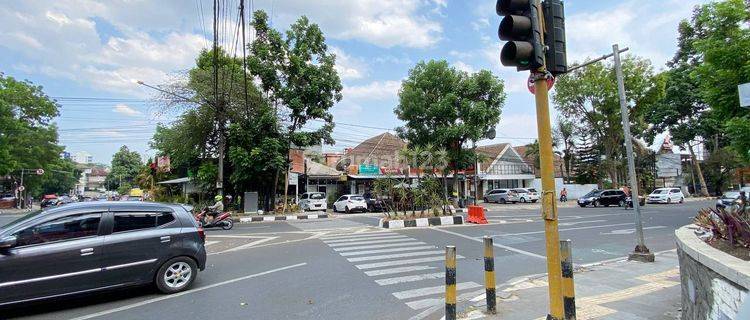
{"x": 347, "y": 268}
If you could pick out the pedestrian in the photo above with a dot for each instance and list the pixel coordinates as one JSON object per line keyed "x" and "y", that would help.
{"x": 564, "y": 195}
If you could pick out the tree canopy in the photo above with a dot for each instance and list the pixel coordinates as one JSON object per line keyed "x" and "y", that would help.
{"x": 126, "y": 165}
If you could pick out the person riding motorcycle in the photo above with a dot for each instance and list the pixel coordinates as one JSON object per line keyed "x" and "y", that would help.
{"x": 216, "y": 209}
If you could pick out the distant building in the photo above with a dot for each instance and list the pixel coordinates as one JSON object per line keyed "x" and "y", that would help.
{"x": 65, "y": 155}
{"x": 83, "y": 157}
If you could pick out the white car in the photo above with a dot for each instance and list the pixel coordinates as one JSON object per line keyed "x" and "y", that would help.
{"x": 527, "y": 195}
{"x": 350, "y": 203}
{"x": 666, "y": 195}
{"x": 312, "y": 201}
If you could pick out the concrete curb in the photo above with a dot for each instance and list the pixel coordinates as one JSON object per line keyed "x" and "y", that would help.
{"x": 728, "y": 266}
{"x": 282, "y": 218}
{"x": 421, "y": 222}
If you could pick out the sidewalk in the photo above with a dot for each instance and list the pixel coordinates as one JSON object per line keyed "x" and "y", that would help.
{"x": 14, "y": 211}
{"x": 618, "y": 290}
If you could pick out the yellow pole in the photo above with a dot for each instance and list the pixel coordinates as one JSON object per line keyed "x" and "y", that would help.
{"x": 450, "y": 283}
{"x": 549, "y": 205}
{"x": 569, "y": 291}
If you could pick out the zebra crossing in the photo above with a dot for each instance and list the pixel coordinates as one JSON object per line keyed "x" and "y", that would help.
{"x": 412, "y": 270}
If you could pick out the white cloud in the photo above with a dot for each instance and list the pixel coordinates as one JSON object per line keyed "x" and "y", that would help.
{"x": 376, "y": 90}
{"x": 126, "y": 110}
{"x": 348, "y": 67}
{"x": 463, "y": 66}
{"x": 385, "y": 23}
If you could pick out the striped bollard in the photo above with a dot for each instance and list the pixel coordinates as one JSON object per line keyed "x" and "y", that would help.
{"x": 568, "y": 288}
{"x": 489, "y": 275}
{"x": 450, "y": 283}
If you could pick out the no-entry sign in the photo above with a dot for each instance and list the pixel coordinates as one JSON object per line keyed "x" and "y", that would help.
{"x": 532, "y": 88}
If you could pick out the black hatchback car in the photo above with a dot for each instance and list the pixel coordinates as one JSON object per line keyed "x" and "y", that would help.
{"x": 611, "y": 197}
{"x": 90, "y": 246}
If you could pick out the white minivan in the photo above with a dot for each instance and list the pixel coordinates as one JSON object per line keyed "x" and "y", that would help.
{"x": 313, "y": 201}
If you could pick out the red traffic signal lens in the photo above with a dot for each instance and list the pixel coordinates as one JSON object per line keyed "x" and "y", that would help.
{"x": 506, "y": 7}
{"x": 514, "y": 28}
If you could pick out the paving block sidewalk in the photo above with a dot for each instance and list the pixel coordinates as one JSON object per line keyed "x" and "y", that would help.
{"x": 616, "y": 290}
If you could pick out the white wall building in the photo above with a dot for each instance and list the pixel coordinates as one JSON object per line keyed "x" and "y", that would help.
{"x": 82, "y": 157}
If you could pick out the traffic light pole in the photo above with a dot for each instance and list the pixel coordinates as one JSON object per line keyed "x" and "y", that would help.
{"x": 549, "y": 205}
{"x": 641, "y": 252}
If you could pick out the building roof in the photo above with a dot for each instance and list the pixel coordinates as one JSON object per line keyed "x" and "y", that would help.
{"x": 385, "y": 144}
{"x": 315, "y": 169}
{"x": 491, "y": 152}
{"x": 175, "y": 181}
{"x": 557, "y": 161}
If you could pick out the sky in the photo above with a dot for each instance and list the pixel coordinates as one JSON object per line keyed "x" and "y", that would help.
{"x": 79, "y": 49}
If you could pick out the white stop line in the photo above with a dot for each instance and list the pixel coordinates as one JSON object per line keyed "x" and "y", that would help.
{"x": 628, "y": 231}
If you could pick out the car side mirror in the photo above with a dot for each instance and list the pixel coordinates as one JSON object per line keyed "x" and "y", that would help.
{"x": 8, "y": 242}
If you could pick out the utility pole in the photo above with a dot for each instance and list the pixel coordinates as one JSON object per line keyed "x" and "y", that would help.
{"x": 641, "y": 252}
{"x": 218, "y": 102}
{"x": 476, "y": 173}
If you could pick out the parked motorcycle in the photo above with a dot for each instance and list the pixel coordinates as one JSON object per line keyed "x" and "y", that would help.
{"x": 222, "y": 220}
{"x": 629, "y": 202}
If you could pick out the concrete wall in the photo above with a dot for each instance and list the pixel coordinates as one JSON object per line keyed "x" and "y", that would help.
{"x": 575, "y": 191}
{"x": 714, "y": 284}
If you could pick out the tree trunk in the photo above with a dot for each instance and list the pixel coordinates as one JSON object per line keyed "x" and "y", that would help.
{"x": 286, "y": 190}
{"x": 698, "y": 171}
{"x": 273, "y": 191}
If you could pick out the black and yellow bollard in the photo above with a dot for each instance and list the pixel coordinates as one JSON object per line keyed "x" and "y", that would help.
{"x": 489, "y": 275}
{"x": 450, "y": 283}
{"x": 568, "y": 288}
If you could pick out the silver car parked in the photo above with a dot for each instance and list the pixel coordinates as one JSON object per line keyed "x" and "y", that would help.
{"x": 501, "y": 196}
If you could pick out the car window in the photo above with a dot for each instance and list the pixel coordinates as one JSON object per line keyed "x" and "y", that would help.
{"x": 732, "y": 195}
{"x": 317, "y": 196}
{"x": 357, "y": 198}
{"x": 659, "y": 191}
{"x": 675, "y": 190}
{"x": 342, "y": 198}
{"x": 304, "y": 196}
{"x": 129, "y": 221}
{"x": 532, "y": 190}
{"x": 620, "y": 193}
{"x": 63, "y": 228}
{"x": 502, "y": 191}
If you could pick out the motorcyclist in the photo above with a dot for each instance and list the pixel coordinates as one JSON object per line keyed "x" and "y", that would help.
{"x": 216, "y": 209}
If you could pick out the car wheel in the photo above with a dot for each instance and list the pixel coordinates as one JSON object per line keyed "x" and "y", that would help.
{"x": 502, "y": 201}
{"x": 346, "y": 209}
{"x": 682, "y": 200}
{"x": 621, "y": 203}
{"x": 533, "y": 201}
{"x": 669, "y": 200}
{"x": 523, "y": 200}
{"x": 176, "y": 275}
{"x": 228, "y": 224}
{"x": 582, "y": 205}
{"x": 334, "y": 209}
{"x": 485, "y": 200}
{"x": 596, "y": 203}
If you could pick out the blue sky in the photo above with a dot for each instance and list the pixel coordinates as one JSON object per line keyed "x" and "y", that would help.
{"x": 78, "y": 48}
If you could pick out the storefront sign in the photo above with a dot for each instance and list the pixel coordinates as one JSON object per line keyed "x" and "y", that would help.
{"x": 369, "y": 170}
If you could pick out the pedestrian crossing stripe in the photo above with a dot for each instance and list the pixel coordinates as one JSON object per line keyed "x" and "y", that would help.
{"x": 399, "y": 249}
{"x": 395, "y": 236}
{"x": 404, "y": 245}
{"x": 400, "y": 262}
{"x": 421, "y": 292}
{"x": 370, "y": 242}
{"x": 383, "y": 272}
{"x": 396, "y": 255}
{"x": 412, "y": 278}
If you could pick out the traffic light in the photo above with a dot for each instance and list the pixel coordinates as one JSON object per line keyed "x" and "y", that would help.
{"x": 520, "y": 27}
{"x": 554, "y": 36}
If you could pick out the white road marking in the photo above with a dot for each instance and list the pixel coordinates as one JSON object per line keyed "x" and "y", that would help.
{"x": 421, "y": 292}
{"x": 371, "y": 242}
{"x": 564, "y": 229}
{"x": 357, "y": 235}
{"x": 396, "y": 255}
{"x": 394, "y": 236}
{"x": 179, "y": 294}
{"x": 413, "y": 278}
{"x": 400, "y": 262}
{"x": 530, "y": 254}
{"x": 628, "y": 231}
{"x": 248, "y": 245}
{"x": 564, "y": 224}
{"x": 208, "y": 243}
{"x": 390, "y": 245}
{"x": 431, "y": 302}
{"x": 357, "y": 253}
{"x": 383, "y": 272}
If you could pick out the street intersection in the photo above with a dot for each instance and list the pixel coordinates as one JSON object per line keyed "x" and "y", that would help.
{"x": 346, "y": 267}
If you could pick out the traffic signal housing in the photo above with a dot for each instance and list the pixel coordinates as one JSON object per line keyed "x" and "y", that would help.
{"x": 554, "y": 37}
{"x": 520, "y": 27}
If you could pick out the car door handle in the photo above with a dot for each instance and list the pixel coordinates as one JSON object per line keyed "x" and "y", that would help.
{"x": 165, "y": 239}
{"x": 87, "y": 251}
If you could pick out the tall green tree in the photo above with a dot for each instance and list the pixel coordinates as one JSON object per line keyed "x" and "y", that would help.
{"x": 565, "y": 135}
{"x": 722, "y": 41}
{"x": 443, "y": 106}
{"x": 28, "y": 138}
{"x": 298, "y": 76}
{"x": 126, "y": 165}
{"x": 589, "y": 98}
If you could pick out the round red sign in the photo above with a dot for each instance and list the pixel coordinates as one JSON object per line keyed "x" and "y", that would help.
{"x": 532, "y": 88}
